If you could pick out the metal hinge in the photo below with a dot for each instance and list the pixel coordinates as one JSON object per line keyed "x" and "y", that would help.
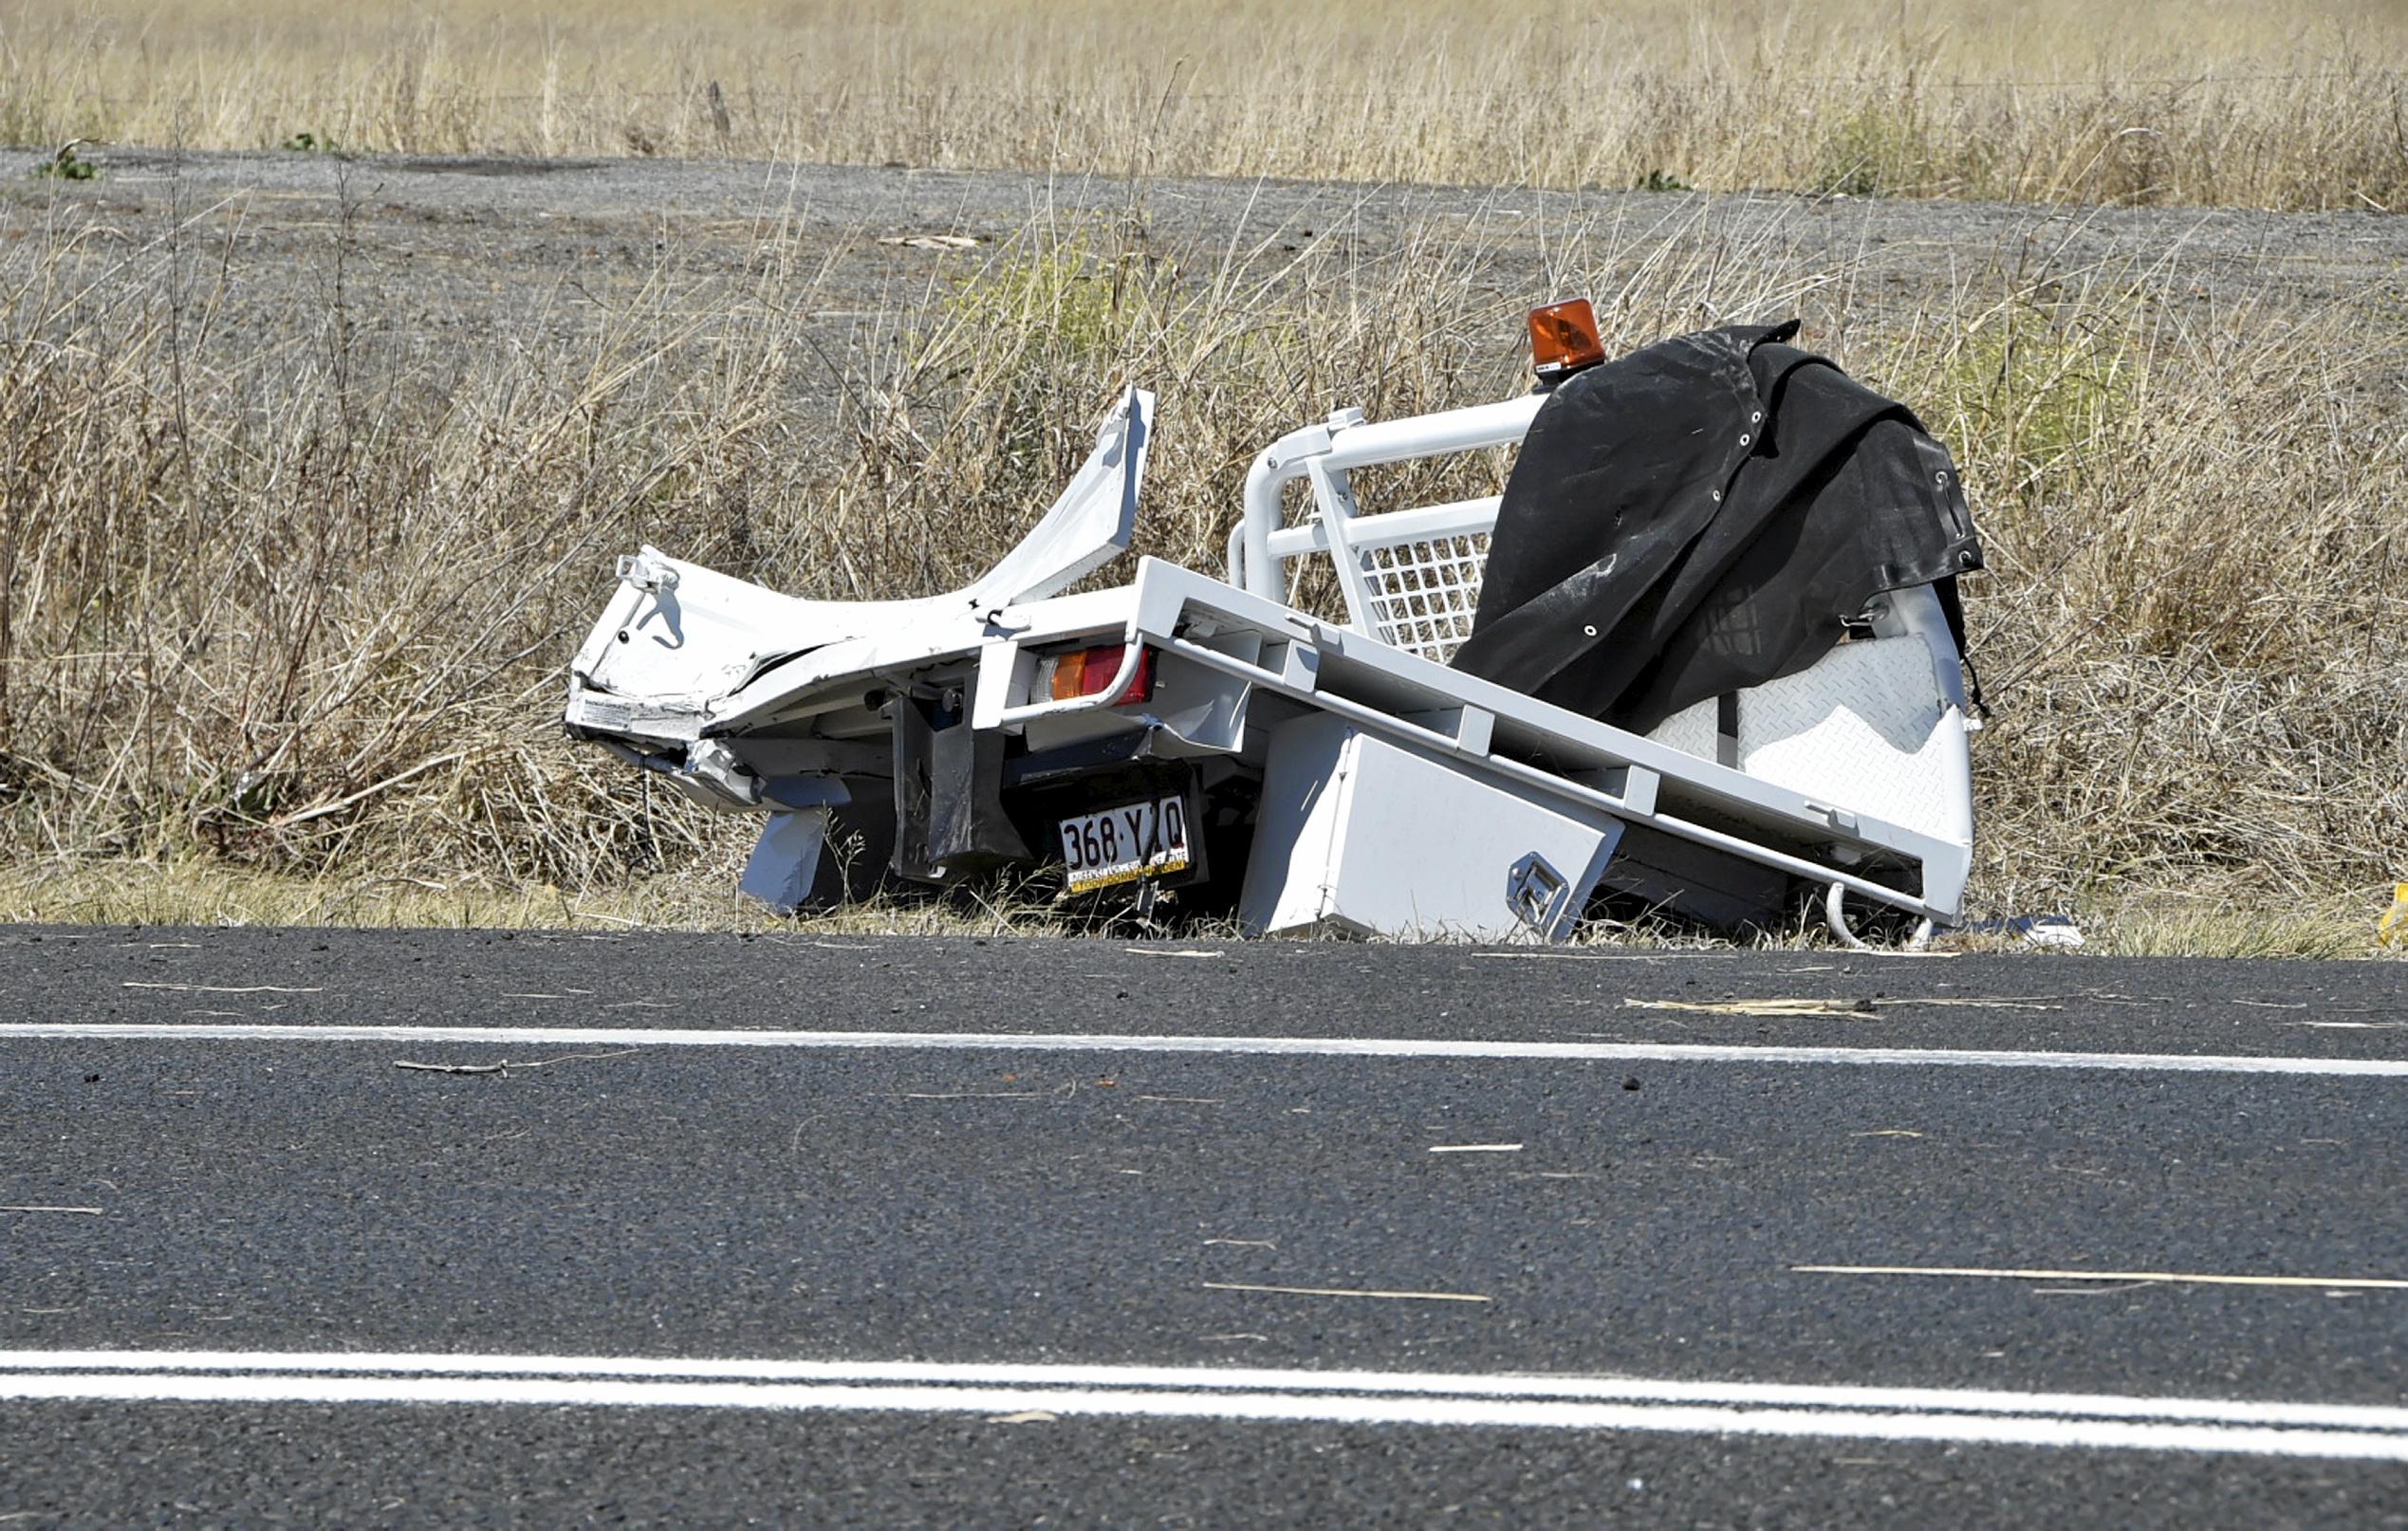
{"x": 646, "y": 573}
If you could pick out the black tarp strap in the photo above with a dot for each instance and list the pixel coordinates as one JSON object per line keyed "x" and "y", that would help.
{"x": 1953, "y": 608}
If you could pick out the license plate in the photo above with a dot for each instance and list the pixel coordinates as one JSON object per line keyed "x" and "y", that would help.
{"x": 1122, "y": 845}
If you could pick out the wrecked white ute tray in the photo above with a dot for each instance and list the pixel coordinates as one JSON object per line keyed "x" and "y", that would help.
{"x": 1200, "y": 737}
{"x": 678, "y": 639}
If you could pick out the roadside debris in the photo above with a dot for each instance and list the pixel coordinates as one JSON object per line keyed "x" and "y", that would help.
{"x": 2391, "y": 929}
{"x": 1742, "y": 684}
{"x": 1853, "y": 1010}
{"x": 506, "y": 1065}
{"x": 2054, "y": 930}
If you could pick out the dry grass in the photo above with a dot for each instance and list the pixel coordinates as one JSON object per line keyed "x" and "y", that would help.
{"x": 195, "y": 892}
{"x": 198, "y": 891}
{"x": 284, "y": 621}
{"x": 2301, "y": 105}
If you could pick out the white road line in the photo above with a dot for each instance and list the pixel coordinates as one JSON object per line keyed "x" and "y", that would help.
{"x": 1054, "y": 1374}
{"x": 2372, "y": 1284}
{"x": 2081, "y": 1420}
{"x": 1041, "y": 1042}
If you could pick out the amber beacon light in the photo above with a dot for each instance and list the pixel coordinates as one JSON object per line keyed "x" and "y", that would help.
{"x": 1563, "y": 339}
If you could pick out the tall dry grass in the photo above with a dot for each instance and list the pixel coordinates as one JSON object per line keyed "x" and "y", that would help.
{"x": 2222, "y": 102}
{"x": 300, "y": 604}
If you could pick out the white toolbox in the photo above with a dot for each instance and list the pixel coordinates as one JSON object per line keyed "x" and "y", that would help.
{"x": 1358, "y": 834}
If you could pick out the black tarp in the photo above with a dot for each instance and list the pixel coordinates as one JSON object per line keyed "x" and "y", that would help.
{"x": 1702, "y": 516}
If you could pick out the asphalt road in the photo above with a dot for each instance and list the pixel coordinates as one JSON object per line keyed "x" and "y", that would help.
{"x": 819, "y": 1230}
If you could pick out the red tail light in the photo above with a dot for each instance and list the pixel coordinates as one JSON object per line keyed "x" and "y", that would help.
{"x": 1090, "y": 672}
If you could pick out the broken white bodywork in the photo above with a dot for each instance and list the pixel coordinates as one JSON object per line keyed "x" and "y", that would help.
{"x": 1365, "y": 784}
{"x": 678, "y": 643}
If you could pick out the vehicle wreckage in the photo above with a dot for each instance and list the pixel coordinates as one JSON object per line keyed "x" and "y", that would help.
{"x": 1703, "y": 651}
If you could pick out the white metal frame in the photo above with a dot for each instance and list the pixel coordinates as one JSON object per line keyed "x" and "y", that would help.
{"x": 1399, "y": 575}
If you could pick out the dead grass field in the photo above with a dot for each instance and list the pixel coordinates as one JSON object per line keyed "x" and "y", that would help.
{"x": 285, "y": 606}
{"x": 2239, "y": 103}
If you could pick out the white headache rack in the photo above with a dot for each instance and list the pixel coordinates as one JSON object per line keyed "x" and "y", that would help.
{"x": 1410, "y": 576}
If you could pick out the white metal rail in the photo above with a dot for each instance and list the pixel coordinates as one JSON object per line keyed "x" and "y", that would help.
{"x": 1344, "y": 442}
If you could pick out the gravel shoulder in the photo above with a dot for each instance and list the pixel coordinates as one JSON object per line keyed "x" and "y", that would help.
{"x": 459, "y": 253}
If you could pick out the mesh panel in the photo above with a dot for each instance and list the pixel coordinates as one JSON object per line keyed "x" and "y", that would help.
{"x": 1423, "y": 593}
